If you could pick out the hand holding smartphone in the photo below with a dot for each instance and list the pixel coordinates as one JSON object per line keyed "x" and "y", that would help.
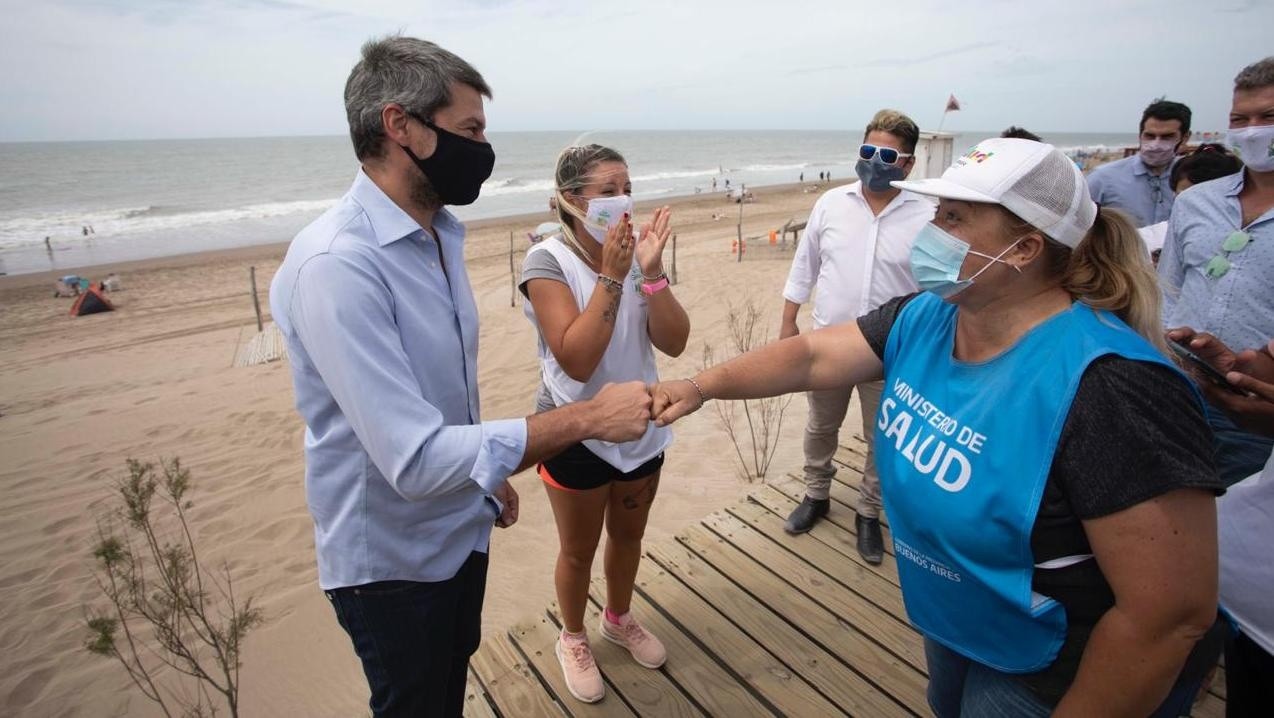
{"x": 1204, "y": 368}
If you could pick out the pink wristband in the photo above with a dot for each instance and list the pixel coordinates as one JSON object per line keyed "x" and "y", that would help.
{"x": 650, "y": 288}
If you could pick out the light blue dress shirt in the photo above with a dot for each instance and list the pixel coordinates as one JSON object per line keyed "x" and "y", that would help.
{"x": 382, "y": 336}
{"x": 1238, "y": 307}
{"x": 1127, "y": 185}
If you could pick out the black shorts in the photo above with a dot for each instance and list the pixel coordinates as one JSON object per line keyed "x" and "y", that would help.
{"x": 578, "y": 469}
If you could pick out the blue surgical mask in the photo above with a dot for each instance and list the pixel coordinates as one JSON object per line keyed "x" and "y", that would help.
{"x": 877, "y": 175}
{"x": 936, "y": 258}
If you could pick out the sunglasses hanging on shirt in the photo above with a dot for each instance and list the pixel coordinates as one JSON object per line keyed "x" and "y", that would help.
{"x": 1220, "y": 264}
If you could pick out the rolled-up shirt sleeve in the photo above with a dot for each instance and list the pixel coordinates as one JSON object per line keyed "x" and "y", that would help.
{"x": 805, "y": 263}
{"x": 343, "y": 315}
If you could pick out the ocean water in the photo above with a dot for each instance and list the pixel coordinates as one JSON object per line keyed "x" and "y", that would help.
{"x": 162, "y": 197}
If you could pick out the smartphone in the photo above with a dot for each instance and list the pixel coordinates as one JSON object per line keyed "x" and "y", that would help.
{"x": 1216, "y": 377}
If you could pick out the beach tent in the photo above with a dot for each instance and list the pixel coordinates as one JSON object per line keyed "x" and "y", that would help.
{"x": 91, "y": 302}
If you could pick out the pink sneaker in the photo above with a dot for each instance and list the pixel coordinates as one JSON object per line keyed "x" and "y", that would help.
{"x": 646, "y": 649}
{"x": 579, "y": 669}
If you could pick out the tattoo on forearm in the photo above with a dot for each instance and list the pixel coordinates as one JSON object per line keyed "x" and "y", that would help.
{"x": 612, "y": 309}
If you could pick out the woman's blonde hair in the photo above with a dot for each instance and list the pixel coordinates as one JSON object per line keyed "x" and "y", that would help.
{"x": 574, "y": 172}
{"x": 1110, "y": 269}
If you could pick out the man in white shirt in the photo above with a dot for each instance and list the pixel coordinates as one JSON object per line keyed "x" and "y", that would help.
{"x": 856, "y": 252}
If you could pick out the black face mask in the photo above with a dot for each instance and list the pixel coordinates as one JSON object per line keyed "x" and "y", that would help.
{"x": 458, "y": 166}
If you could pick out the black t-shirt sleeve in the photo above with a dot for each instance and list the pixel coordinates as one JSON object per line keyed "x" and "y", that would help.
{"x": 876, "y": 324}
{"x": 1134, "y": 431}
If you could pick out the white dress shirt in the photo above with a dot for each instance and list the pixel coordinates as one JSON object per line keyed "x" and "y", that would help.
{"x": 856, "y": 259}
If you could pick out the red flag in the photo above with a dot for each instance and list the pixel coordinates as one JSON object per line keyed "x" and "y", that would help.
{"x": 953, "y": 105}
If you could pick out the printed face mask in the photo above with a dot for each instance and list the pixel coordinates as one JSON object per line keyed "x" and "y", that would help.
{"x": 604, "y": 213}
{"x": 458, "y": 166}
{"x": 1158, "y": 153}
{"x": 877, "y": 175}
{"x": 936, "y": 258}
{"x": 1253, "y": 145}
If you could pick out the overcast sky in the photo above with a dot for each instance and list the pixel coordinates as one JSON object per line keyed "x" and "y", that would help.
{"x": 133, "y": 69}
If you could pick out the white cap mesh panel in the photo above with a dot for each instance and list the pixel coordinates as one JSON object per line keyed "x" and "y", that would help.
{"x": 1053, "y": 197}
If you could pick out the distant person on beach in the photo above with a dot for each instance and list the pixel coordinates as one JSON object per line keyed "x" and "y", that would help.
{"x": 601, "y": 305}
{"x": 1245, "y": 531}
{"x": 403, "y": 479}
{"x": 1050, "y": 490}
{"x": 853, "y": 257}
{"x": 1138, "y": 185}
{"x": 48, "y": 244}
{"x": 84, "y": 230}
{"x": 1204, "y": 164}
{"x": 1218, "y": 255}
{"x": 1021, "y": 133}
{"x": 801, "y": 178}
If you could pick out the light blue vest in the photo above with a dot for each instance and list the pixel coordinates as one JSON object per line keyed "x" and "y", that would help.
{"x": 964, "y": 452}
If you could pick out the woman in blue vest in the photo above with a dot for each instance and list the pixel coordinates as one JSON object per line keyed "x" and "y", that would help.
{"x": 1046, "y": 471}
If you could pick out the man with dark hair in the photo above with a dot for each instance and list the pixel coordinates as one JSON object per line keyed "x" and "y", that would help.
{"x": 403, "y": 479}
{"x": 854, "y": 257}
{"x": 1218, "y": 256}
{"x": 1021, "y": 133}
{"x": 1138, "y": 185}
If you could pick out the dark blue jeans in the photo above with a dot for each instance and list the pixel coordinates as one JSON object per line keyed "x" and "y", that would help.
{"x": 415, "y": 638}
{"x": 1238, "y": 454}
{"x": 961, "y": 688}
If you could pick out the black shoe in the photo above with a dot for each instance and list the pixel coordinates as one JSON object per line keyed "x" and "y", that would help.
{"x": 803, "y": 517}
{"x": 871, "y": 545}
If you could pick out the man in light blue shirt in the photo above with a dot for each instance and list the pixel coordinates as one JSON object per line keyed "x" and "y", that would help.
{"x": 402, "y": 478}
{"x": 1139, "y": 185}
{"x": 1217, "y": 266}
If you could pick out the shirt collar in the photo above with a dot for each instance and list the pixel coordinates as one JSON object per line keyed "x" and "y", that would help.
{"x": 1233, "y": 184}
{"x": 389, "y": 222}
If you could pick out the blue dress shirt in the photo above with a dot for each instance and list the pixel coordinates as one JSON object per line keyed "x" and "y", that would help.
{"x": 1127, "y": 185}
{"x": 1238, "y": 307}
{"x": 382, "y": 336}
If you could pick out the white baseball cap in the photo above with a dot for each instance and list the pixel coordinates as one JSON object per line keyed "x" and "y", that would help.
{"x": 1033, "y": 180}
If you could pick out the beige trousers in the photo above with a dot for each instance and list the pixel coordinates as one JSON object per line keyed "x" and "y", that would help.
{"x": 822, "y": 436}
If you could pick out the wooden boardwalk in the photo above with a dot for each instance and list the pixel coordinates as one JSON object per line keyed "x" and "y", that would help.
{"x": 756, "y": 622}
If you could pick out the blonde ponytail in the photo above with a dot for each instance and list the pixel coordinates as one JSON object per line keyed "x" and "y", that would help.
{"x": 1111, "y": 270}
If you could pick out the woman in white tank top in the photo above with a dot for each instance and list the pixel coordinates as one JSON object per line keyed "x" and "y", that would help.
{"x": 598, "y": 296}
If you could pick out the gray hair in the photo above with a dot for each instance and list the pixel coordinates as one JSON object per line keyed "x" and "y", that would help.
{"x": 1255, "y": 76}
{"x": 414, "y": 73}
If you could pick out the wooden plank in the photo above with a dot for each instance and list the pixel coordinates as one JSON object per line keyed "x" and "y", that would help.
{"x": 845, "y": 604}
{"x": 793, "y": 628}
{"x": 695, "y": 671}
{"x": 536, "y": 639}
{"x": 854, "y": 647}
{"x": 509, "y": 682}
{"x": 832, "y": 551}
{"x": 1218, "y": 683}
{"x": 828, "y": 532}
{"x": 475, "y": 699}
{"x": 784, "y": 688}
{"x": 1209, "y": 707}
{"x": 649, "y": 693}
{"x": 892, "y": 658}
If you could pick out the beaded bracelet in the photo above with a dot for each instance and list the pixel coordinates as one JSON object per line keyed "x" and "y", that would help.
{"x": 702, "y": 399}
{"x": 611, "y": 283}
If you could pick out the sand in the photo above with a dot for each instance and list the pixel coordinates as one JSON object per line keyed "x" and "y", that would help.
{"x": 154, "y": 379}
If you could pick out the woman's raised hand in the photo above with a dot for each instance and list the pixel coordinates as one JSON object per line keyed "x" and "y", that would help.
{"x": 651, "y": 242}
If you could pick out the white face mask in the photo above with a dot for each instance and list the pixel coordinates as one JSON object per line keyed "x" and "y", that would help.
{"x": 604, "y": 213}
{"x": 1158, "y": 153}
{"x": 1253, "y": 145}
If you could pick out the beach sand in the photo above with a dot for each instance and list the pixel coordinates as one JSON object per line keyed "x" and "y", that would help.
{"x": 155, "y": 379}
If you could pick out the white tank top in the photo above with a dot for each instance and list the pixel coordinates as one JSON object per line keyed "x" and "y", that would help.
{"x": 629, "y": 356}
